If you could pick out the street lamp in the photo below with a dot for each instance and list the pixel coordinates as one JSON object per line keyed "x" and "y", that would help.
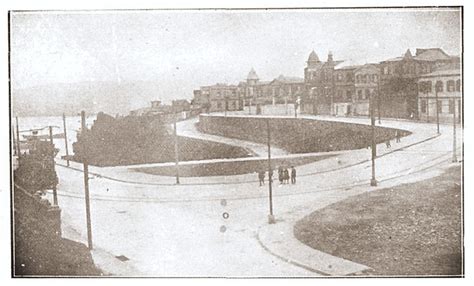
{"x": 373, "y": 181}
{"x": 437, "y": 87}
{"x": 271, "y": 218}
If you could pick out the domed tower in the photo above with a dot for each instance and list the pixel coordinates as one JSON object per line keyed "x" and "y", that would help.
{"x": 313, "y": 59}
{"x": 252, "y": 78}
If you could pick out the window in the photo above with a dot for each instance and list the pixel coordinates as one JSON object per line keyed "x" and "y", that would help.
{"x": 458, "y": 85}
{"x": 359, "y": 94}
{"x": 451, "y": 86}
{"x": 423, "y": 106}
{"x": 348, "y": 95}
{"x": 385, "y": 70}
{"x": 219, "y": 105}
{"x": 367, "y": 94}
{"x": 358, "y": 78}
{"x": 439, "y": 86}
{"x": 451, "y": 106}
{"x": 424, "y": 87}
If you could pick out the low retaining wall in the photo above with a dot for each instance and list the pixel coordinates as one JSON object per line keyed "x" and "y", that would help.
{"x": 297, "y": 135}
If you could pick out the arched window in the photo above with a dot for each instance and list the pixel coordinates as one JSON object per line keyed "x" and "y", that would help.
{"x": 451, "y": 86}
{"x": 439, "y": 85}
{"x": 458, "y": 85}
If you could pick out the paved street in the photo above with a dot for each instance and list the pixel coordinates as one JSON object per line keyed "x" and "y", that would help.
{"x": 169, "y": 230}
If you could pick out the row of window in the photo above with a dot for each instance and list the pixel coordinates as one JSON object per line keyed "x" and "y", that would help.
{"x": 231, "y": 104}
{"x": 366, "y": 78}
{"x": 451, "y": 102}
{"x": 451, "y": 86}
{"x": 407, "y": 68}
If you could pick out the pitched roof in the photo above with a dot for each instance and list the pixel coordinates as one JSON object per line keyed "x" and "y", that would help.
{"x": 347, "y": 65}
{"x": 313, "y": 57}
{"x": 288, "y": 79}
{"x": 433, "y": 54}
{"x": 252, "y": 75}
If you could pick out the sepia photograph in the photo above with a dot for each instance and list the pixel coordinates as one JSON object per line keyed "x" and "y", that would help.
{"x": 302, "y": 142}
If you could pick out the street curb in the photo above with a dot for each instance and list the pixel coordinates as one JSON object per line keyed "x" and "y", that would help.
{"x": 302, "y": 255}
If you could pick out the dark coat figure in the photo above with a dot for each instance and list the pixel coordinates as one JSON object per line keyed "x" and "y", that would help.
{"x": 293, "y": 175}
{"x": 397, "y": 136}
{"x": 261, "y": 177}
{"x": 280, "y": 175}
{"x": 387, "y": 143}
{"x": 286, "y": 176}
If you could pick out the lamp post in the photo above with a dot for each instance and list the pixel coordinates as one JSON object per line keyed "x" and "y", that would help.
{"x": 271, "y": 218}
{"x": 437, "y": 106}
{"x": 86, "y": 179}
{"x": 373, "y": 181}
{"x": 455, "y": 159}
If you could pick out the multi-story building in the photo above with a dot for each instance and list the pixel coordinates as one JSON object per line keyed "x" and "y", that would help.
{"x": 218, "y": 97}
{"x": 319, "y": 83}
{"x": 440, "y": 91}
{"x": 399, "y": 76}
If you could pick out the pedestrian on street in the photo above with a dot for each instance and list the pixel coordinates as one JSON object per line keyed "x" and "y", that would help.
{"x": 261, "y": 178}
{"x": 387, "y": 143}
{"x": 286, "y": 176}
{"x": 280, "y": 175}
{"x": 397, "y": 136}
{"x": 293, "y": 175}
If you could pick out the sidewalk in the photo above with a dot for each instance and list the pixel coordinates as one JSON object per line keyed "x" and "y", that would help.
{"x": 278, "y": 239}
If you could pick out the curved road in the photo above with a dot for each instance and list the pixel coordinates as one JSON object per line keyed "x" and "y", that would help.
{"x": 181, "y": 230}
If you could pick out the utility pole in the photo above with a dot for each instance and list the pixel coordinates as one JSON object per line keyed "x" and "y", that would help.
{"x": 271, "y": 218}
{"x": 225, "y": 103}
{"x": 86, "y": 180}
{"x": 55, "y": 194}
{"x": 176, "y": 151}
{"x": 455, "y": 159}
{"x": 13, "y": 141}
{"x": 373, "y": 181}
{"x": 18, "y": 137}
{"x": 65, "y": 139}
{"x": 378, "y": 99}
{"x": 437, "y": 108}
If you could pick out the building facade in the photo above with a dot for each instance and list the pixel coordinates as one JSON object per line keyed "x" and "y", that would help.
{"x": 399, "y": 77}
{"x": 440, "y": 91}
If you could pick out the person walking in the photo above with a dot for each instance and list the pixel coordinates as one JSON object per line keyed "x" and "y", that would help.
{"x": 280, "y": 175}
{"x": 286, "y": 176}
{"x": 293, "y": 175}
{"x": 387, "y": 143}
{"x": 397, "y": 136}
{"x": 261, "y": 178}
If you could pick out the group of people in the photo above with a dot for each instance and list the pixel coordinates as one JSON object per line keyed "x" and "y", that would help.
{"x": 284, "y": 175}
{"x": 398, "y": 135}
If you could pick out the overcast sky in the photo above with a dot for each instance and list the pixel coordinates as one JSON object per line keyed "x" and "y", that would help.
{"x": 183, "y": 50}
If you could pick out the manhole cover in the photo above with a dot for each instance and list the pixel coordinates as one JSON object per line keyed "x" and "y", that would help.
{"x": 122, "y": 258}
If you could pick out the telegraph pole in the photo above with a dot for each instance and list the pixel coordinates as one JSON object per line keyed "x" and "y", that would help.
{"x": 373, "y": 181}
{"x": 271, "y": 218}
{"x": 455, "y": 159}
{"x": 13, "y": 141}
{"x": 65, "y": 139}
{"x": 86, "y": 179}
{"x": 378, "y": 99}
{"x": 437, "y": 109}
{"x": 176, "y": 150}
{"x": 18, "y": 137}
{"x": 55, "y": 194}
